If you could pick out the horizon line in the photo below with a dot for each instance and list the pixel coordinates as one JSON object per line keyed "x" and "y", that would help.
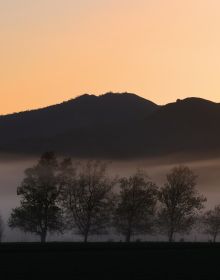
{"x": 101, "y": 95}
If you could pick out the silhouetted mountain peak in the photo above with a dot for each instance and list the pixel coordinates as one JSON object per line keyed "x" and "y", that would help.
{"x": 195, "y": 101}
{"x": 190, "y": 105}
{"x": 84, "y": 98}
{"x": 114, "y": 125}
{"x": 111, "y": 97}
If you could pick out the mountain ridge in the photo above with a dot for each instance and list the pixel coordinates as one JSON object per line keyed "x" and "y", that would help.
{"x": 115, "y": 125}
{"x": 76, "y": 99}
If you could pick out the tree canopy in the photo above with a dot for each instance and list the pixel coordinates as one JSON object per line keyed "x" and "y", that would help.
{"x": 180, "y": 202}
{"x": 135, "y": 205}
{"x": 39, "y": 212}
{"x": 87, "y": 199}
{"x": 211, "y": 222}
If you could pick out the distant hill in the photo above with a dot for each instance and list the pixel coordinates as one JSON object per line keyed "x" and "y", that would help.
{"x": 115, "y": 125}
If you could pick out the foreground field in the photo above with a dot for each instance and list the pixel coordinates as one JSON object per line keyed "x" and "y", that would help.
{"x": 110, "y": 261}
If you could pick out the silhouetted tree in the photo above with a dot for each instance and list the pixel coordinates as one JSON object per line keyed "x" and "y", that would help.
{"x": 1, "y": 228}
{"x": 87, "y": 199}
{"x": 180, "y": 202}
{"x": 211, "y": 222}
{"x": 135, "y": 205}
{"x": 39, "y": 212}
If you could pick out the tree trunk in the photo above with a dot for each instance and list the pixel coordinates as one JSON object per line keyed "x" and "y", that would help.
{"x": 86, "y": 235}
{"x": 43, "y": 237}
{"x": 170, "y": 236}
{"x": 128, "y": 236}
{"x": 214, "y": 237}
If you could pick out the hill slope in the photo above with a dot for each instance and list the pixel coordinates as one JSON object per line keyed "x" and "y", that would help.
{"x": 115, "y": 125}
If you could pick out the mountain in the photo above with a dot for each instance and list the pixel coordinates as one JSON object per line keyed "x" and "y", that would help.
{"x": 115, "y": 125}
{"x": 70, "y": 126}
{"x": 187, "y": 127}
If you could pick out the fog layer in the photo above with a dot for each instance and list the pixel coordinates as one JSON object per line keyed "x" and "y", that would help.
{"x": 12, "y": 173}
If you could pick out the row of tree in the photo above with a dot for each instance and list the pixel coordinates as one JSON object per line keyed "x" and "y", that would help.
{"x": 59, "y": 195}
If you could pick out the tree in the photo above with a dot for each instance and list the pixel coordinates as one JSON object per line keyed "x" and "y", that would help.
{"x": 211, "y": 222}
{"x": 1, "y": 228}
{"x": 87, "y": 199}
{"x": 180, "y": 202}
{"x": 39, "y": 212}
{"x": 135, "y": 205}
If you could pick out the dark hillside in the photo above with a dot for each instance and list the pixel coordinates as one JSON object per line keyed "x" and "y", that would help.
{"x": 115, "y": 126}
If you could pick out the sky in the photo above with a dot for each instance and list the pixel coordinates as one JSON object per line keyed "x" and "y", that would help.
{"x": 54, "y": 50}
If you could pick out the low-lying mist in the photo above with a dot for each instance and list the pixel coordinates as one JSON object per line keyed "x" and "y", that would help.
{"x": 12, "y": 173}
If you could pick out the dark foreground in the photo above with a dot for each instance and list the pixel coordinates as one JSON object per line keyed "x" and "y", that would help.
{"x": 110, "y": 261}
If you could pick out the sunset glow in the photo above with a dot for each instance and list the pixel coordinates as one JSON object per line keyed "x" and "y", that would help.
{"x": 54, "y": 50}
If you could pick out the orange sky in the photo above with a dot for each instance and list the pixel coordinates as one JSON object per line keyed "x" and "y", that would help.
{"x": 53, "y": 50}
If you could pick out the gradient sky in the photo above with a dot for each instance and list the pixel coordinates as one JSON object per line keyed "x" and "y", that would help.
{"x": 54, "y": 50}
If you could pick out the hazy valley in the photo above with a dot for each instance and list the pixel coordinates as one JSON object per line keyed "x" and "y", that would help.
{"x": 12, "y": 173}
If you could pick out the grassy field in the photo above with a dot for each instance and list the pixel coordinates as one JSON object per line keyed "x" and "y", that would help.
{"x": 110, "y": 261}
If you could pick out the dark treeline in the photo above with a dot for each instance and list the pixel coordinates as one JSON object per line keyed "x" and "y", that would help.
{"x": 58, "y": 195}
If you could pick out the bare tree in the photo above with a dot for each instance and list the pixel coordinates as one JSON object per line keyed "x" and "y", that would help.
{"x": 180, "y": 202}
{"x": 1, "y": 228}
{"x": 135, "y": 205}
{"x": 211, "y": 222}
{"x": 39, "y": 212}
{"x": 87, "y": 199}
